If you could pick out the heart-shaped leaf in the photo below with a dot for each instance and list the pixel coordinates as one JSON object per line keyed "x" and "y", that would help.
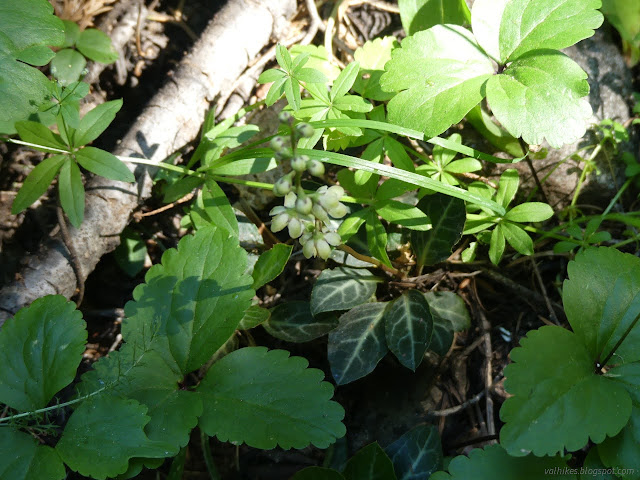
{"x": 417, "y": 453}
{"x": 341, "y": 289}
{"x": 293, "y": 322}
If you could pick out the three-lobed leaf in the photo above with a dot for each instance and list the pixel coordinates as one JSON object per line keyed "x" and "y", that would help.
{"x": 267, "y": 399}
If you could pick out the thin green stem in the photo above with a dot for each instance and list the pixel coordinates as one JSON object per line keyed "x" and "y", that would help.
{"x": 583, "y": 175}
{"x": 622, "y": 338}
{"x": 165, "y": 166}
{"x": 241, "y": 181}
{"x": 615, "y": 199}
{"x": 208, "y": 458}
{"x": 54, "y": 407}
{"x": 35, "y": 145}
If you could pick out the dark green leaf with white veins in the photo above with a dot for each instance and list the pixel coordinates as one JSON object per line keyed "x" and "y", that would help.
{"x": 408, "y": 328}
{"x": 40, "y": 350}
{"x": 98, "y": 443}
{"x": 419, "y": 15}
{"x": 369, "y": 463}
{"x": 602, "y": 302}
{"x": 358, "y": 344}
{"x": 104, "y": 164}
{"x": 23, "y": 458}
{"x": 342, "y": 288}
{"x": 271, "y": 264}
{"x": 417, "y": 453}
{"x": 494, "y": 462}
{"x": 293, "y": 322}
{"x": 558, "y": 401}
{"x": 448, "y": 216}
{"x": 526, "y": 25}
{"x": 37, "y": 182}
{"x": 267, "y": 399}
{"x": 541, "y": 96}
{"x": 440, "y": 75}
{"x": 450, "y": 315}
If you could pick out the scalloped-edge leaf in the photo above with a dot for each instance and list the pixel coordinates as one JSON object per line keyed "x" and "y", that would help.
{"x": 369, "y": 463}
{"x": 358, "y": 343}
{"x": 417, "y": 15}
{"x": 558, "y": 401}
{"x": 24, "y": 459}
{"x": 622, "y": 452}
{"x": 40, "y": 350}
{"x": 494, "y": 462}
{"x": 266, "y": 399}
{"x": 408, "y": 328}
{"x": 103, "y": 433}
{"x": 293, "y": 322}
{"x": 417, "y": 453}
{"x": 342, "y": 288}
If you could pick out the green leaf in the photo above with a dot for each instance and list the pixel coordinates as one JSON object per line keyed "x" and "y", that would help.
{"x": 71, "y": 33}
{"x": 496, "y": 247}
{"x": 267, "y": 399}
{"x": 283, "y": 57}
{"x": 96, "y": 121}
{"x": 39, "y": 134}
{"x": 96, "y": 45}
{"x": 344, "y": 82}
{"x": 417, "y": 453}
{"x": 293, "y": 322}
{"x": 271, "y": 75}
{"x": 317, "y": 473}
{"x": 449, "y": 309}
{"x": 71, "y": 191}
{"x": 358, "y": 343}
{"x": 318, "y": 59}
{"x": 508, "y": 187}
{"x": 377, "y": 238}
{"x": 403, "y": 214}
{"x": 271, "y": 264}
{"x": 517, "y": 238}
{"x": 369, "y": 463}
{"x": 623, "y": 450}
{"x": 276, "y": 91}
{"x": 213, "y": 207}
{"x": 552, "y": 375}
{"x": 25, "y": 459}
{"x": 524, "y": 26}
{"x": 372, "y": 57}
{"x": 625, "y": 17}
{"x": 440, "y": 74}
{"x": 352, "y": 103}
{"x": 254, "y": 316}
{"x": 246, "y": 166}
{"x": 342, "y": 288}
{"x": 67, "y": 66}
{"x": 530, "y": 212}
{"x": 30, "y": 22}
{"x": 494, "y": 462}
{"x": 194, "y": 300}
{"x": 130, "y": 255}
{"x": 38, "y": 55}
{"x": 310, "y": 75}
{"x": 602, "y": 302}
{"x": 408, "y": 328}
{"x": 538, "y": 92}
{"x": 99, "y": 444}
{"x": 37, "y": 182}
{"x": 447, "y": 216}
{"x": 104, "y": 164}
{"x": 417, "y": 15}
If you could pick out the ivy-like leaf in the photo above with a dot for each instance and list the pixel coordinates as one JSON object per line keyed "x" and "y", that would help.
{"x": 254, "y": 316}
{"x": 417, "y": 15}
{"x": 448, "y": 216}
{"x": 40, "y": 350}
{"x": 342, "y": 288}
{"x": 536, "y": 93}
{"x": 552, "y": 375}
{"x": 440, "y": 75}
{"x": 271, "y": 264}
{"x": 369, "y": 463}
{"x": 266, "y": 398}
{"x": 99, "y": 444}
{"x": 417, "y": 453}
{"x": 24, "y": 459}
{"x": 450, "y": 315}
{"x": 602, "y": 302}
{"x": 293, "y": 322}
{"x": 358, "y": 344}
{"x": 408, "y": 328}
{"x": 494, "y": 462}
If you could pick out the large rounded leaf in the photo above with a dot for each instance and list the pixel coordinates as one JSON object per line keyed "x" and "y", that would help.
{"x": 24, "y": 459}
{"x": 266, "y": 398}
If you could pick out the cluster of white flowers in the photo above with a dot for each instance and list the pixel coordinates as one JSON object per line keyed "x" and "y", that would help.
{"x": 306, "y": 215}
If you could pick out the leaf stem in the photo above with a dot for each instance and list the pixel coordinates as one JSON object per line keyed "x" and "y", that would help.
{"x": 35, "y": 145}
{"x": 617, "y": 345}
{"x": 208, "y": 458}
{"x": 368, "y": 259}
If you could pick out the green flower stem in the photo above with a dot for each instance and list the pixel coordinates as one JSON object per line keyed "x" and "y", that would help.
{"x": 368, "y": 259}
{"x": 614, "y": 200}
{"x": 583, "y": 175}
{"x": 208, "y": 458}
{"x": 241, "y": 181}
{"x": 35, "y": 145}
{"x": 54, "y": 407}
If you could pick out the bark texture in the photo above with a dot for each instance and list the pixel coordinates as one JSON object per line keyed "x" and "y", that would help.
{"x": 171, "y": 119}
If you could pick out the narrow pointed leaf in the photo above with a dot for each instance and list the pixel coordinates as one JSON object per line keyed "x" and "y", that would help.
{"x": 293, "y": 322}
{"x": 342, "y": 288}
{"x": 408, "y": 328}
{"x": 40, "y": 350}
{"x": 97, "y": 46}
{"x": 517, "y": 238}
{"x": 271, "y": 264}
{"x": 96, "y": 121}
{"x": 496, "y": 247}
{"x": 377, "y": 238}
{"x": 417, "y": 453}
{"x": 212, "y": 207}
{"x": 24, "y": 459}
{"x": 344, "y": 82}
{"x": 71, "y": 192}
{"x": 267, "y": 399}
{"x": 39, "y": 134}
{"x": 358, "y": 344}
{"x": 530, "y": 212}
{"x": 104, "y": 164}
{"x": 37, "y": 182}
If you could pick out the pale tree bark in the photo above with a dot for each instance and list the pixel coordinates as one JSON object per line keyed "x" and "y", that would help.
{"x": 171, "y": 119}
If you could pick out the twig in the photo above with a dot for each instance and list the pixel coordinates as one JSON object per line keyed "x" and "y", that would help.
{"x": 73, "y": 254}
{"x": 488, "y": 379}
{"x": 262, "y": 228}
{"x": 552, "y": 314}
{"x": 329, "y": 31}
{"x": 374, "y": 261}
{"x": 169, "y": 206}
{"x": 450, "y": 411}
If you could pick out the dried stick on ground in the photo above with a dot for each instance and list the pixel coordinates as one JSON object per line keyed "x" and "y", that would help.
{"x": 172, "y": 119}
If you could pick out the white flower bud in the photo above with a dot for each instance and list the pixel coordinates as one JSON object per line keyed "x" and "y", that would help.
{"x": 315, "y": 168}
{"x": 298, "y": 164}
{"x": 290, "y": 200}
{"x": 320, "y": 213}
{"x": 304, "y": 205}
{"x": 277, "y": 210}
{"x": 333, "y": 238}
{"x": 295, "y": 228}
{"x": 323, "y": 249}
{"x": 338, "y": 211}
{"x": 309, "y": 250}
{"x": 278, "y": 143}
{"x": 305, "y": 130}
{"x": 285, "y": 117}
{"x": 282, "y": 187}
{"x": 279, "y": 222}
{"x": 336, "y": 191}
